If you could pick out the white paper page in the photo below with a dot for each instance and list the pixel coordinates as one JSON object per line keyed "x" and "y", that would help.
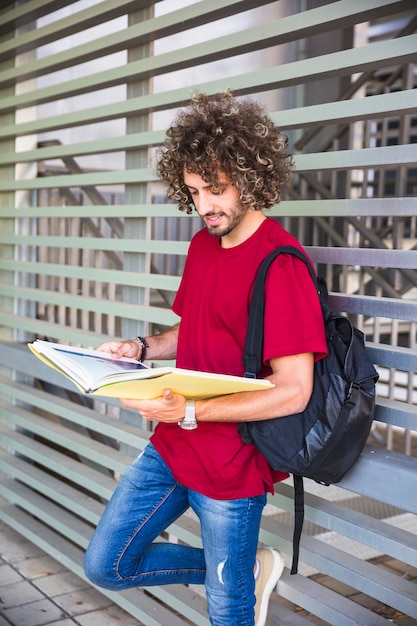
{"x": 85, "y": 366}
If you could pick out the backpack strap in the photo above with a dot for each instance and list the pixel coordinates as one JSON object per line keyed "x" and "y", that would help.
{"x": 298, "y": 520}
{"x": 253, "y": 352}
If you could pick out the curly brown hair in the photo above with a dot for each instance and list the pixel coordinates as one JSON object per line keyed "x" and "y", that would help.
{"x": 220, "y": 133}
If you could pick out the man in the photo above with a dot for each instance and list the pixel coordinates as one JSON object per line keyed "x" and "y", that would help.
{"x": 226, "y": 159}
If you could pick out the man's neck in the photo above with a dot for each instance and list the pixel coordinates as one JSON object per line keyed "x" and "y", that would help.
{"x": 245, "y": 229}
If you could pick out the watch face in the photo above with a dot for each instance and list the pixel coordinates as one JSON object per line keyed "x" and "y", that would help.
{"x": 188, "y": 425}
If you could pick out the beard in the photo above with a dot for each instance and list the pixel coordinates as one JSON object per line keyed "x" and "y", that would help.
{"x": 229, "y": 222}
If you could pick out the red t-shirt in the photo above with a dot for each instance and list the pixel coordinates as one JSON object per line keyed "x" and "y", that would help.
{"x": 213, "y": 302}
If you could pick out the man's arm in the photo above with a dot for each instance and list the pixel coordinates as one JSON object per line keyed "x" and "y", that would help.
{"x": 293, "y": 383}
{"x": 163, "y": 346}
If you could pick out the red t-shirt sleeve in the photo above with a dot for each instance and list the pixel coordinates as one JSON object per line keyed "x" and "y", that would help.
{"x": 293, "y": 316}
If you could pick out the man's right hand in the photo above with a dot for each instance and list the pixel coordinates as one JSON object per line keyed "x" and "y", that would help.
{"x": 130, "y": 348}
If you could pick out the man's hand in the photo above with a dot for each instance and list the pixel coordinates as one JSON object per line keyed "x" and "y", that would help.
{"x": 159, "y": 347}
{"x": 130, "y": 348}
{"x": 168, "y": 408}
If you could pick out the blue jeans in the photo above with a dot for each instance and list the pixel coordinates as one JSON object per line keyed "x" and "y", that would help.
{"x": 122, "y": 555}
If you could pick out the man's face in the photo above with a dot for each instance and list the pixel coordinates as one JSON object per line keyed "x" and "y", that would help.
{"x": 219, "y": 207}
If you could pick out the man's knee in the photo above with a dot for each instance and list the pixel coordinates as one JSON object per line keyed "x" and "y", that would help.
{"x": 98, "y": 572}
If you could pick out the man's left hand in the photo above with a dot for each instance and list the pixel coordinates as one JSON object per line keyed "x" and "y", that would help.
{"x": 168, "y": 408}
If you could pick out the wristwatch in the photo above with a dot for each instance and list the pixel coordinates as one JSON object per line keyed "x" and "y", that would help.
{"x": 189, "y": 422}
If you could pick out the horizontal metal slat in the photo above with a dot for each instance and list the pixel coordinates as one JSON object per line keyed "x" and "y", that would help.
{"x": 183, "y": 601}
{"x": 66, "y": 334}
{"x": 110, "y": 144}
{"x": 117, "y": 177}
{"x": 99, "y": 243}
{"x": 323, "y": 602}
{"x": 386, "y": 157}
{"x": 364, "y": 256}
{"x": 101, "y": 211}
{"x": 309, "y": 208}
{"x": 346, "y": 111}
{"x": 393, "y": 356}
{"x": 58, "y": 332}
{"x": 123, "y": 309}
{"x": 133, "y": 279}
{"x": 393, "y": 308}
{"x": 380, "y": 466}
{"x": 280, "y": 613}
{"x": 186, "y": 529}
{"x": 396, "y": 413}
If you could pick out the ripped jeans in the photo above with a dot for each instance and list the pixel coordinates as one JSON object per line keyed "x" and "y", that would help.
{"x": 122, "y": 553}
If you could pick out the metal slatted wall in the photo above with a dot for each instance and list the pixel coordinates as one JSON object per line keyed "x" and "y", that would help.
{"x": 89, "y": 250}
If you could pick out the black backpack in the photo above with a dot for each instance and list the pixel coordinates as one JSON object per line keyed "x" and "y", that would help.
{"x": 324, "y": 441}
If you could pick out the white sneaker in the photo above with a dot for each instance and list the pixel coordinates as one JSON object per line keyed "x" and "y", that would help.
{"x": 270, "y": 567}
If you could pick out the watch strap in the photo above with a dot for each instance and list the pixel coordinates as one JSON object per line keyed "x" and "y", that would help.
{"x": 189, "y": 422}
